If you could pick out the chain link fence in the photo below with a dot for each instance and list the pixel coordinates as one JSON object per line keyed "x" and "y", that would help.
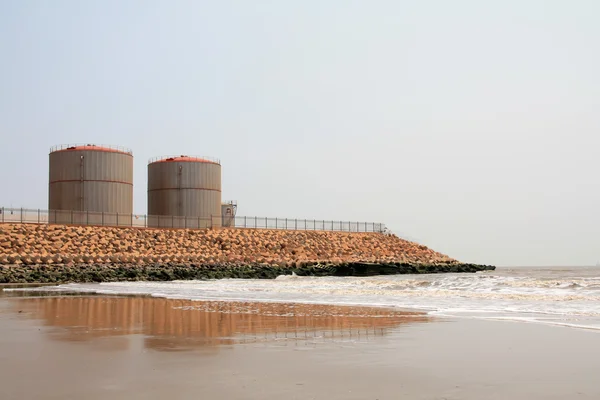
{"x": 39, "y": 216}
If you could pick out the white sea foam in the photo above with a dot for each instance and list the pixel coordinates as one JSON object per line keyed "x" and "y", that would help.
{"x": 564, "y": 297}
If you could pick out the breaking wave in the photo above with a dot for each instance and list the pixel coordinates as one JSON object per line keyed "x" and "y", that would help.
{"x": 562, "y": 297}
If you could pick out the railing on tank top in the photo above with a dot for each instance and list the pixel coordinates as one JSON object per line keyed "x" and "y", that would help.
{"x": 70, "y": 217}
{"x": 89, "y": 146}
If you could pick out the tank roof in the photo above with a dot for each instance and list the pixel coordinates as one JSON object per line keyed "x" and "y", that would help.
{"x": 184, "y": 158}
{"x": 91, "y": 147}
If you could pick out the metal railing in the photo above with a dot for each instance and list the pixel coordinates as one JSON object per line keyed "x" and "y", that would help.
{"x": 71, "y": 217}
{"x": 189, "y": 157}
{"x": 89, "y": 146}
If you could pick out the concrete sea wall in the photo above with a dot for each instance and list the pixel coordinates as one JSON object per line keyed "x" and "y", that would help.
{"x": 59, "y": 253}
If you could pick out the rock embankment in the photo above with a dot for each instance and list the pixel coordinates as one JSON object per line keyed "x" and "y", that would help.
{"x": 53, "y": 253}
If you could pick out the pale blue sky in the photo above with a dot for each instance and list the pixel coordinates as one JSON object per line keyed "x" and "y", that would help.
{"x": 470, "y": 126}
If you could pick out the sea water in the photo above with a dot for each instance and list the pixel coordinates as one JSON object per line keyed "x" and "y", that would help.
{"x": 557, "y": 296}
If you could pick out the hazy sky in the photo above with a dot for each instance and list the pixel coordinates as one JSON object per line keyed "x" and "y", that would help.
{"x": 470, "y": 126}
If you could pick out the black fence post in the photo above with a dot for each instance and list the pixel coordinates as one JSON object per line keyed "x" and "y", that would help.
{"x": 38, "y": 215}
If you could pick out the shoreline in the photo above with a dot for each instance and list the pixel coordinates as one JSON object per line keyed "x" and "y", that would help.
{"x": 56, "y": 273}
{"x": 145, "y": 347}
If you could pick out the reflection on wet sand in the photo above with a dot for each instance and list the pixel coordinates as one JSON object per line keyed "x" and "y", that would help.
{"x": 182, "y": 324}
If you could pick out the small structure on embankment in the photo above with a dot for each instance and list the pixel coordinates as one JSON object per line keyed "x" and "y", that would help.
{"x": 51, "y": 253}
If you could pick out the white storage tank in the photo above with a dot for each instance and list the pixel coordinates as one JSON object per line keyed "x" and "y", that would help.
{"x": 90, "y": 184}
{"x": 184, "y": 192}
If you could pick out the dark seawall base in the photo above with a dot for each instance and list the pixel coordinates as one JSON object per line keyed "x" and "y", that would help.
{"x": 169, "y": 272}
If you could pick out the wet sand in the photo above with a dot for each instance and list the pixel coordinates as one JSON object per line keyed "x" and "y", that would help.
{"x": 99, "y": 347}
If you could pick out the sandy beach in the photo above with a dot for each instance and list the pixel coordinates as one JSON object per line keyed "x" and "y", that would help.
{"x": 98, "y": 347}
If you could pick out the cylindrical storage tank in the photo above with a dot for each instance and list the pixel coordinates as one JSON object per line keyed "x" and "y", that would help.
{"x": 90, "y": 184}
{"x": 184, "y": 192}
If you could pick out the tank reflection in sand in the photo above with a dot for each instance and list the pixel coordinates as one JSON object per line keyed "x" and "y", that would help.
{"x": 182, "y": 324}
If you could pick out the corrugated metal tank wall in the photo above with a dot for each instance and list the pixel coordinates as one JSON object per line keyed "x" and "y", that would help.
{"x": 184, "y": 192}
{"x": 91, "y": 184}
